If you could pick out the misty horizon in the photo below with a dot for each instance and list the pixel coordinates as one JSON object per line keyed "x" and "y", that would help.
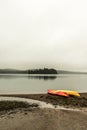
{"x": 21, "y": 69}
{"x": 38, "y": 34}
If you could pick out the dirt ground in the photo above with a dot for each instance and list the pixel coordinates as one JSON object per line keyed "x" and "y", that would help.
{"x": 57, "y": 100}
{"x": 44, "y": 119}
{"x": 72, "y": 116}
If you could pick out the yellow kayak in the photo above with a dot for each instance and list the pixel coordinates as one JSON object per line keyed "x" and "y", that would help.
{"x": 73, "y": 93}
{"x": 64, "y": 92}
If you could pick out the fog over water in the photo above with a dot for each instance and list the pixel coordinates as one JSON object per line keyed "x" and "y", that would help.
{"x": 49, "y": 33}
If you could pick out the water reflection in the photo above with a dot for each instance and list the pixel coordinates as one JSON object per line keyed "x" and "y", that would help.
{"x": 42, "y": 77}
{"x": 10, "y": 76}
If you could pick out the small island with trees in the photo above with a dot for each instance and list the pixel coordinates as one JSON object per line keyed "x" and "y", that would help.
{"x": 42, "y": 71}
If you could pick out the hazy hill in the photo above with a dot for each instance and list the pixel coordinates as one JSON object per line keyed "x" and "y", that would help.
{"x": 69, "y": 72}
{"x": 38, "y": 71}
{"x": 12, "y": 71}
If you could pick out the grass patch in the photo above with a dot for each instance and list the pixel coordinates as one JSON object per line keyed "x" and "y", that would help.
{"x": 71, "y": 101}
{"x": 67, "y": 101}
{"x": 10, "y": 105}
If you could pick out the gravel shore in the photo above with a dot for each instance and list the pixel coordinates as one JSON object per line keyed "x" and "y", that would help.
{"x": 65, "y": 117}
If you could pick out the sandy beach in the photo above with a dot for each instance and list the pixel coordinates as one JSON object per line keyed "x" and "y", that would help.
{"x": 49, "y": 118}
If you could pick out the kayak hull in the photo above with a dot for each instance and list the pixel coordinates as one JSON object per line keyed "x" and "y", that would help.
{"x": 65, "y": 93}
{"x": 60, "y": 93}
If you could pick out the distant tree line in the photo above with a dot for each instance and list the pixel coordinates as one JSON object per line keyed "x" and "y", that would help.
{"x": 38, "y": 71}
{"x": 33, "y": 71}
{"x": 12, "y": 71}
{"x": 42, "y": 71}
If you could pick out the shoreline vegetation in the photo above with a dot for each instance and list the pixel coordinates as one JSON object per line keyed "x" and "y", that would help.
{"x": 71, "y": 102}
{"x": 12, "y": 105}
{"x": 38, "y": 71}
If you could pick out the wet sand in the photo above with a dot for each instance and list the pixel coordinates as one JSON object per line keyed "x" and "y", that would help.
{"x": 48, "y": 118}
{"x": 45, "y": 118}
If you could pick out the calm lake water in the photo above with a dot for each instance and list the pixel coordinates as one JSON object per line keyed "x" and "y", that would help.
{"x": 12, "y": 84}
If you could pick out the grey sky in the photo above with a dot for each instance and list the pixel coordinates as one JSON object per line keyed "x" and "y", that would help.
{"x": 38, "y": 33}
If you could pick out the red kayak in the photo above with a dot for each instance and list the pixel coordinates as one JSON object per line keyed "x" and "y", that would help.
{"x": 60, "y": 93}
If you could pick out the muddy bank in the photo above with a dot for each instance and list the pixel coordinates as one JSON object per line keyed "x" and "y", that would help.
{"x": 57, "y": 100}
{"x": 48, "y": 118}
{"x": 12, "y": 105}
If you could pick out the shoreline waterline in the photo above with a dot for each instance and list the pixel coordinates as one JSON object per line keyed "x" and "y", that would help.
{"x": 44, "y": 100}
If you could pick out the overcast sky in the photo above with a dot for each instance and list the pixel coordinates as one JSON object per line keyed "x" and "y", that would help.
{"x": 43, "y": 33}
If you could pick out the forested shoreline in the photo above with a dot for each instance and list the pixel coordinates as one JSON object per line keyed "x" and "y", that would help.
{"x": 29, "y": 71}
